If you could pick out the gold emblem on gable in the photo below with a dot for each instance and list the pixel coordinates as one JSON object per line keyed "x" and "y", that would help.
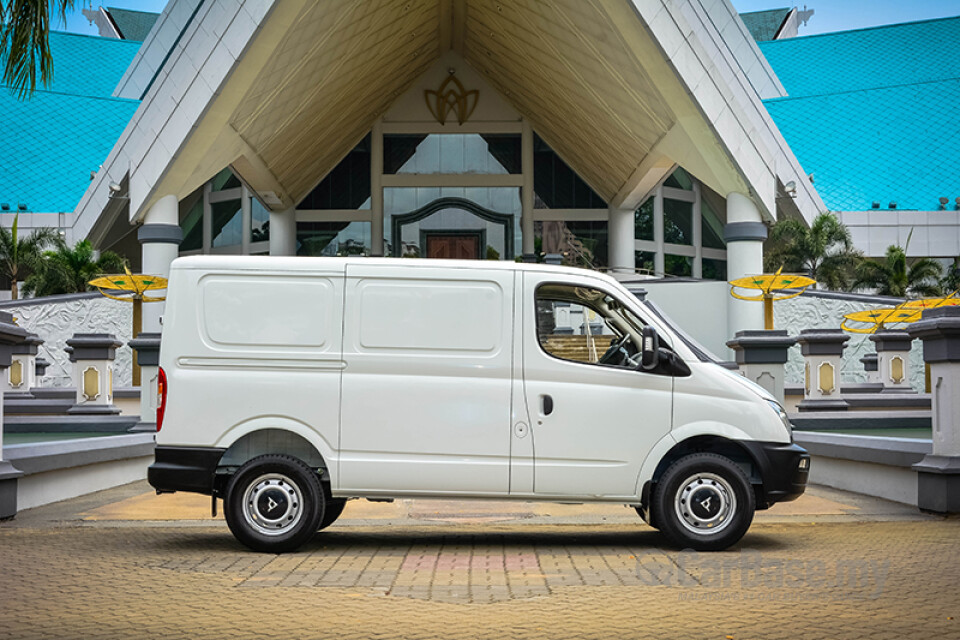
{"x": 451, "y": 98}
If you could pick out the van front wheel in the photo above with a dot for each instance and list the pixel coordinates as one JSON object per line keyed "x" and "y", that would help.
{"x": 274, "y": 503}
{"x": 704, "y": 501}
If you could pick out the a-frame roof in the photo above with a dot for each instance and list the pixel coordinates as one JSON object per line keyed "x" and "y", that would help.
{"x": 623, "y": 89}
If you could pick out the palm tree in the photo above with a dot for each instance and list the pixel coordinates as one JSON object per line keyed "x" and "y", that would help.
{"x": 892, "y": 276}
{"x": 824, "y": 251}
{"x": 66, "y": 270}
{"x": 25, "y": 43}
{"x": 20, "y": 257}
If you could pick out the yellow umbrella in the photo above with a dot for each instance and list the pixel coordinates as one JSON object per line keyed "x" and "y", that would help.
{"x": 773, "y": 287}
{"x": 136, "y": 285}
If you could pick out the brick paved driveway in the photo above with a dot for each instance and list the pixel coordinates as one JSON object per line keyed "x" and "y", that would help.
{"x": 87, "y": 569}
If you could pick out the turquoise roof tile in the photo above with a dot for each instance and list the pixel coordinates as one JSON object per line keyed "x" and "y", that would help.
{"x": 51, "y": 142}
{"x": 764, "y": 25}
{"x": 88, "y": 65}
{"x": 133, "y": 25}
{"x": 873, "y": 114}
{"x": 55, "y": 141}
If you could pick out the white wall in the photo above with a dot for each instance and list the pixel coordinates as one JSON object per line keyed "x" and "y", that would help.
{"x": 700, "y": 308}
{"x": 57, "y": 318}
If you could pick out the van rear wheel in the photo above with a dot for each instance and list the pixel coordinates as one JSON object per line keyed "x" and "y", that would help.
{"x": 274, "y": 503}
{"x": 704, "y": 501}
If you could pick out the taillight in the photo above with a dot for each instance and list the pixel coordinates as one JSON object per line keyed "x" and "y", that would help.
{"x": 161, "y": 397}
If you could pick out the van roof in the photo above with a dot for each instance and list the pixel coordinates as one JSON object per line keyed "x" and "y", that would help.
{"x": 295, "y": 263}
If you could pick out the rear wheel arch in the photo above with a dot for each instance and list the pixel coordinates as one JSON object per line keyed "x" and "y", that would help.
{"x": 266, "y": 441}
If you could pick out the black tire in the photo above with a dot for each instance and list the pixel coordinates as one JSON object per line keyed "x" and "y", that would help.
{"x": 274, "y": 503}
{"x": 704, "y": 502}
{"x": 332, "y": 512}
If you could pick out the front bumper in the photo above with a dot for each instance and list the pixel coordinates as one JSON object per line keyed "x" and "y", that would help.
{"x": 783, "y": 470}
{"x": 184, "y": 469}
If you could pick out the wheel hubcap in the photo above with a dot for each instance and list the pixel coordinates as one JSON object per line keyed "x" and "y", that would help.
{"x": 705, "y": 503}
{"x": 272, "y": 504}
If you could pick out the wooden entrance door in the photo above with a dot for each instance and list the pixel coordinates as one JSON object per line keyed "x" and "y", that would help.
{"x": 456, "y": 247}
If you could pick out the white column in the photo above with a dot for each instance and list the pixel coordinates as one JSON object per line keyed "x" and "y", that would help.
{"x": 658, "y": 261}
{"x": 744, "y": 234}
{"x": 376, "y": 190}
{"x": 160, "y": 237}
{"x": 246, "y": 220}
{"x": 526, "y": 192}
{"x": 620, "y": 229}
{"x": 283, "y": 233}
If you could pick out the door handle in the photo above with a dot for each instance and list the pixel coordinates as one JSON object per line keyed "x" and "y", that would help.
{"x": 546, "y": 405}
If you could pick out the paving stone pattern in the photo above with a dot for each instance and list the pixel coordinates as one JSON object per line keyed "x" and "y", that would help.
{"x": 788, "y": 580}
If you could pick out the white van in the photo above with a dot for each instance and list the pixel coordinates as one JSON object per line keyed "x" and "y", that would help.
{"x": 290, "y": 385}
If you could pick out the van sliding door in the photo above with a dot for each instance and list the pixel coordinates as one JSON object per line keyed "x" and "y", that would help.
{"x": 427, "y": 382}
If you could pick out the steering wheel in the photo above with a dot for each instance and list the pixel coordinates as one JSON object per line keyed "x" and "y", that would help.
{"x": 608, "y": 355}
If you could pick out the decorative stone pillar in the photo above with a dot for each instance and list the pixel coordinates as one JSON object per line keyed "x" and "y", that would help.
{"x": 22, "y": 375}
{"x": 10, "y": 335}
{"x": 938, "y": 481}
{"x": 147, "y": 346}
{"x": 40, "y": 368}
{"x": 822, "y": 351}
{"x": 93, "y": 355}
{"x": 761, "y": 356}
{"x": 871, "y": 367}
{"x": 160, "y": 237}
{"x": 283, "y": 233}
{"x": 744, "y": 235}
{"x": 893, "y": 351}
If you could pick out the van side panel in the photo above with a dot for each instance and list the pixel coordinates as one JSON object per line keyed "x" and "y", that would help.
{"x": 427, "y": 383}
{"x": 252, "y": 348}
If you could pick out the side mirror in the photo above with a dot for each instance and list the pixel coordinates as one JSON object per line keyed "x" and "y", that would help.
{"x": 650, "y": 349}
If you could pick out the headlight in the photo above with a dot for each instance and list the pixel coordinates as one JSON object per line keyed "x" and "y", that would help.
{"x": 783, "y": 417}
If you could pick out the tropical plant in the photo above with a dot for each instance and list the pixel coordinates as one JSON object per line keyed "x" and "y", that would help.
{"x": 893, "y": 277}
{"x": 25, "y": 41}
{"x": 66, "y": 270}
{"x": 19, "y": 257}
{"x": 951, "y": 279}
{"x": 824, "y": 251}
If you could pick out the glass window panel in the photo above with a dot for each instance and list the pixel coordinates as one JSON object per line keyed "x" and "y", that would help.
{"x": 226, "y": 223}
{"x": 677, "y": 222}
{"x": 192, "y": 226}
{"x": 581, "y": 324}
{"x": 347, "y": 186}
{"x": 677, "y": 265}
{"x": 679, "y": 179}
{"x": 556, "y": 185}
{"x": 643, "y": 220}
{"x": 259, "y": 221}
{"x": 644, "y": 260}
{"x": 714, "y": 269}
{"x": 712, "y": 225}
{"x": 451, "y": 153}
{"x": 332, "y": 239}
{"x": 224, "y": 180}
{"x": 404, "y": 200}
{"x": 581, "y": 243}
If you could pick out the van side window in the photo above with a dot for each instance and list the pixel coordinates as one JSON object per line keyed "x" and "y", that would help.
{"x": 587, "y": 325}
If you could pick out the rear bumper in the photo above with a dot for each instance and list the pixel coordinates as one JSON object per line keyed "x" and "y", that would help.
{"x": 783, "y": 470}
{"x": 184, "y": 469}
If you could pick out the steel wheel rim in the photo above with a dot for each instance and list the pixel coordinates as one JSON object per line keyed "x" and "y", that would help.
{"x": 272, "y": 504}
{"x": 705, "y": 504}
